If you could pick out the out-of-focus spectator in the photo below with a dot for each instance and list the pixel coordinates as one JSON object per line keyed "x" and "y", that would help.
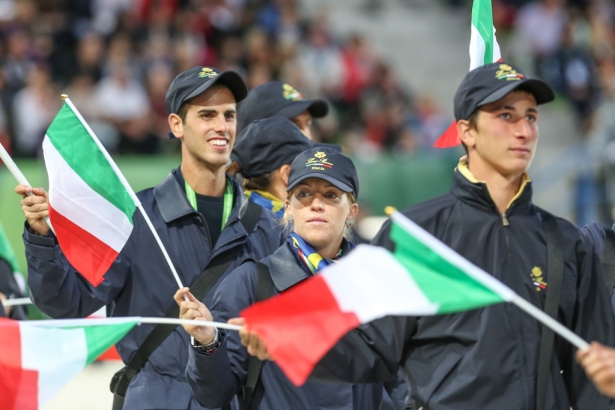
{"x": 33, "y": 109}
{"x": 123, "y": 102}
{"x": 541, "y": 24}
{"x": 115, "y": 57}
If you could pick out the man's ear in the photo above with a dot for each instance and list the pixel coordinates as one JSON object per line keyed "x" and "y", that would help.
{"x": 177, "y": 125}
{"x": 466, "y": 133}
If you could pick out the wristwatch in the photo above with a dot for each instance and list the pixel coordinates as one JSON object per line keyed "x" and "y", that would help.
{"x": 209, "y": 347}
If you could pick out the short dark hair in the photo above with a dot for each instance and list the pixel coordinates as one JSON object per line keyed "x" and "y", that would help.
{"x": 183, "y": 111}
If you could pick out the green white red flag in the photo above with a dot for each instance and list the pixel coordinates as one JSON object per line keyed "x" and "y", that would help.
{"x": 484, "y": 49}
{"x": 422, "y": 277}
{"x": 90, "y": 207}
{"x": 38, "y": 358}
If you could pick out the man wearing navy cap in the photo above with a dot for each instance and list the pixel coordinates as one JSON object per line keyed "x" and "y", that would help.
{"x": 280, "y": 99}
{"x": 491, "y": 358}
{"x": 204, "y": 221}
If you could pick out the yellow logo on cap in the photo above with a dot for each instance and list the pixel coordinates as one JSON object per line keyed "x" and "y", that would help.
{"x": 538, "y": 279}
{"x": 207, "y": 72}
{"x": 319, "y": 162}
{"x": 291, "y": 94}
{"x": 508, "y": 73}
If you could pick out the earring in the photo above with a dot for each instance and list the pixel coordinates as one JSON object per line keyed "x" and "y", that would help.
{"x": 348, "y": 222}
{"x": 291, "y": 219}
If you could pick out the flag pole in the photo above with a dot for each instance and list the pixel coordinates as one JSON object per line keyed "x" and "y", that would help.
{"x": 556, "y": 326}
{"x": 116, "y": 320}
{"x": 19, "y": 176}
{"x": 16, "y": 302}
{"x": 127, "y": 186}
{"x": 486, "y": 279}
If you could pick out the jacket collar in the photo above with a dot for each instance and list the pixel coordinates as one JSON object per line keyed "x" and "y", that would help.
{"x": 286, "y": 269}
{"x": 469, "y": 189}
{"x": 173, "y": 204}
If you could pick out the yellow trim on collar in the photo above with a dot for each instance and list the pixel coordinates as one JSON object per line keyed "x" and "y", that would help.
{"x": 465, "y": 171}
{"x": 277, "y": 202}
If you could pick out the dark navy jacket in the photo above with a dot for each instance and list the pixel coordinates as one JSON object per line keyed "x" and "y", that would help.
{"x": 217, "y": 377}
{"x": 139, "y": 283}
{"x": 487, "y": 358}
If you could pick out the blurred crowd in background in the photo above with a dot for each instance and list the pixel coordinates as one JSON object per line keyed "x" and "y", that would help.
{"x": 116, "y": 58}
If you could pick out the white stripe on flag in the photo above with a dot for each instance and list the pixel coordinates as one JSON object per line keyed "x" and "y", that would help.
{"x": 353, "y": 282}
{"x": 477, "y": 48}
{"x": 85, "y": 207}
{"x": 39, "y": 351}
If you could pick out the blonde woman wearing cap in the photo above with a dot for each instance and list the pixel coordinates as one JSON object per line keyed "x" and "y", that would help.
{"x": 262, "y": 155}
{"x": 320, "y": 209}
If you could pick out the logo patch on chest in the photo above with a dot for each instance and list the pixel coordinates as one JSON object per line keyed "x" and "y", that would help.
{"x": 538, "y": 279}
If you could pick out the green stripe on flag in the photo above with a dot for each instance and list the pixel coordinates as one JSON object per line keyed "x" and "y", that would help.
{"x": 101, "y": 338}
{"x": 482, "y": 20}
{"x": 73, "y": 142}
{"x": 442, "y": 282}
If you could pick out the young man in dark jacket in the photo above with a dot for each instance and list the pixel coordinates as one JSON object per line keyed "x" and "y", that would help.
{"x": 488, "y": 358}
{"x": 196, "y": 210}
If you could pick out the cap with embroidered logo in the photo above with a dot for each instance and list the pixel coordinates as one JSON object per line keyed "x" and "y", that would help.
{"x": 491, "y": 82}
{"x": 328, "y": 164}
{"x": 197, "y": 80}
{"x": 265, "y": 145}
{"x": 277, "y": 99}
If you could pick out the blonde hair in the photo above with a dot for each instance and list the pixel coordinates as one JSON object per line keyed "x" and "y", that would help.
{"x": 348, "y": 230}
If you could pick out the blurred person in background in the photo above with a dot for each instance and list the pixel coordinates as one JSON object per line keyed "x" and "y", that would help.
{"x": 321, "y": 61}
{"x": 34, "y": 107}
{"x": 541, "y": 25}
{"x": 280, "y": 99}
{"x": 123, "y": 102}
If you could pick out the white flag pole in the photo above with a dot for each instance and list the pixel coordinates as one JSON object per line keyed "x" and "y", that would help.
{"x": 486, "y": 279}
{"x": 19, "y": 176}
{"x": 128, "y": 188}
{"x": 117, "y": 320}
{"x": 16, "y": 302}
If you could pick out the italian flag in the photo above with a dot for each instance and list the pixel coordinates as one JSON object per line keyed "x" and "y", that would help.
{"x": 37, "y": 358}
{"x": 484, "y": 49}
{"x": 90, "y": 206}
{"x": 422, "y": 277}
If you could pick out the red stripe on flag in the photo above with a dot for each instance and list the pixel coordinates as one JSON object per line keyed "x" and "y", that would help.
{"x": 89, "y": 255}
{"x": 300, "y": 326}
{"x": 450, "y": 138}
{"x": 110, "y": 354}
{"x": 18, "y": 387}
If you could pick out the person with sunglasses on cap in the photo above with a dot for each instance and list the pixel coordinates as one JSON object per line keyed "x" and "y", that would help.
{"x": 262, "y": 154}
{"x": 319, "y": 211}
{"x": 280, "y": 99}
{"x": 203, "y": 219}
{"x": 488, "y": 358}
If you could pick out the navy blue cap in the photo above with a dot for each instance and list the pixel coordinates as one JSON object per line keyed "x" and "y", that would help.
{"x": 197, "y": 80}
{"x": 491, "y": 82}
{"x": 277, "y": 99}
{"x": 328, "y": 164}
{"x": 265, "y": 145}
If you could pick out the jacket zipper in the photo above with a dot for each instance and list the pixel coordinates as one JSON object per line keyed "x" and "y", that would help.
{"x": 206, "y": 230}
{"x": 504, "y": 219}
